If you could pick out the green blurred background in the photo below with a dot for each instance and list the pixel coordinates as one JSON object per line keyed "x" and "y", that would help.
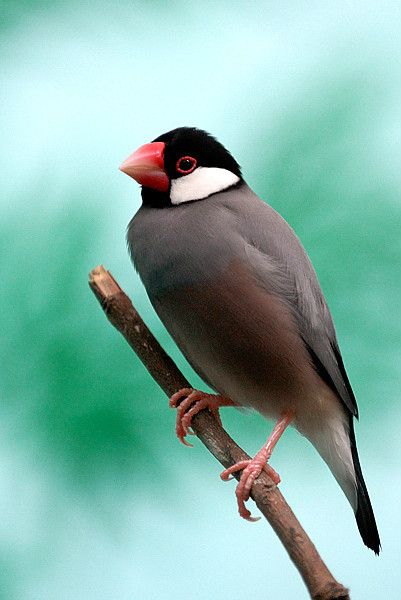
{"x": 98, "y": 500}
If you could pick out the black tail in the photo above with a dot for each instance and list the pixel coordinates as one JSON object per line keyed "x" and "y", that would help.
{"x": 365, "y": 518}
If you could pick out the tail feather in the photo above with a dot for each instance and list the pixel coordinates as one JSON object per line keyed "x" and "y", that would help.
{"x": 337, "y": 446}
{"x": 365, "y": 518}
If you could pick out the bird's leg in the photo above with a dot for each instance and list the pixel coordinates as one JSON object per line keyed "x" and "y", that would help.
{"x": 251, "y": 468}
{"x": 194, "y": 400}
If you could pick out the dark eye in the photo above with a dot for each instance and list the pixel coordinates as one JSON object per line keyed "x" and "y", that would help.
{"x": 186, "y": 164}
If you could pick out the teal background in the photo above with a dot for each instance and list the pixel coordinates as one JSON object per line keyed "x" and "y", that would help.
{"x": 98, "y": 500}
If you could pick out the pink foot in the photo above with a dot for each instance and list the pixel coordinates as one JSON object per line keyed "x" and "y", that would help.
{"x": 240, "y": 466}
{"x": 251, "y": 469}
{"x": 186, "y": 411}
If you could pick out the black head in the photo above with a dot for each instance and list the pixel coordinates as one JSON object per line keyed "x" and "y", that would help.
{"x": 198, "y": 144}
{"x": 181, "y": 165}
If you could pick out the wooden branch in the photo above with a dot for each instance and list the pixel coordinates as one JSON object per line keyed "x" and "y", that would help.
{"x": 121, "y": 313}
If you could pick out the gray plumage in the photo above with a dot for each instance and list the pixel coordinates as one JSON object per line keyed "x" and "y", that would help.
{"x": 236, "y": 290}
{"x": 199, "y": 242}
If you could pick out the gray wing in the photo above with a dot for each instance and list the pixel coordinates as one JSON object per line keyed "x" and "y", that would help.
{"x": 281, "y": 263}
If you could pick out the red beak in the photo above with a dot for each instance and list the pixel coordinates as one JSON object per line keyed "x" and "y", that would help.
{"x": 146, "y": 166}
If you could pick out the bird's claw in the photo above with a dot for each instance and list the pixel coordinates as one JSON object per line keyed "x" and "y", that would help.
{"x": 190, "y": 402}
{"x": 251, "y": 469}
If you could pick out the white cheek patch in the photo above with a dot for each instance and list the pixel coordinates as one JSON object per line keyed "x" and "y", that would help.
{"x": 200, "y": 184}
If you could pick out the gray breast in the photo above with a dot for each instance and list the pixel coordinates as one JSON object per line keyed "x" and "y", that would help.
{"x": 239, "y": 335}
{"x": 183, "y": 245}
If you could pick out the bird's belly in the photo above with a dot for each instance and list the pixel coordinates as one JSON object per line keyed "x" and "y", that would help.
{"x": 242, "y": 340}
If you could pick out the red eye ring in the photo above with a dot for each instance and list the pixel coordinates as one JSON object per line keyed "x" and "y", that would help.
{"x": 186, "y": 171}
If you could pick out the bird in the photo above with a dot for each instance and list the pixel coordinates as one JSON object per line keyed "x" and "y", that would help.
{"x": 236, "y": 290}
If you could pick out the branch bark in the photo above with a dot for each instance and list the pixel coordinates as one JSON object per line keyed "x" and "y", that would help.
{"x": 119, "y": 310}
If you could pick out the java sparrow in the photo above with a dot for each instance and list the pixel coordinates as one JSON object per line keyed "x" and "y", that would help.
{"x": 236, "y": 290}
